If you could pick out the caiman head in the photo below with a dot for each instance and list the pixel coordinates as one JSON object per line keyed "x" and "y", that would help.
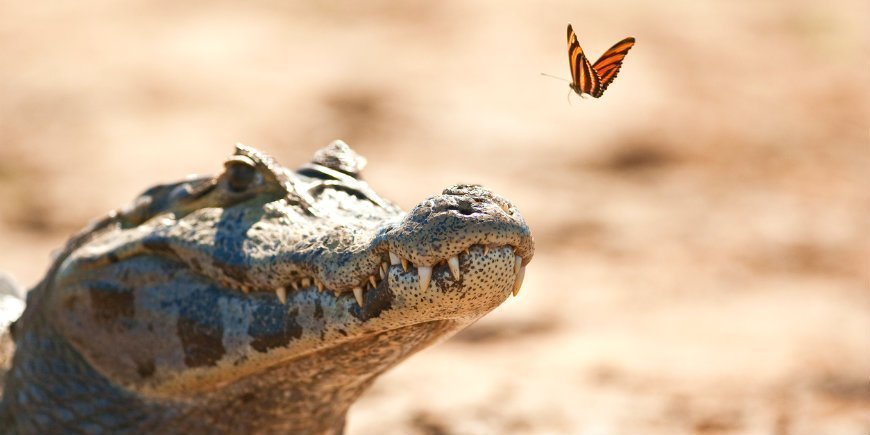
{"x": 268, "y": 294}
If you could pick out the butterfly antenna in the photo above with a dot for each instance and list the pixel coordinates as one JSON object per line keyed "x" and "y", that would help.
{"x": 555, "y": 77}
{"x": 569, "y": 96}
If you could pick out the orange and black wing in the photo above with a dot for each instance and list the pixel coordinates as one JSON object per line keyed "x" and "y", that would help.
{"x": 609, "y": 63}
{"x": 584, "y": 79}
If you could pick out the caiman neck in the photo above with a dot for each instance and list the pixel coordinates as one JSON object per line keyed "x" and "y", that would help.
{"x": 308, "y": 394}
{"x": 312, "y": 393}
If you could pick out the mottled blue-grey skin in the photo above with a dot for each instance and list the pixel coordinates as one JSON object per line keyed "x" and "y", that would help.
{"x": 167, "y": 316}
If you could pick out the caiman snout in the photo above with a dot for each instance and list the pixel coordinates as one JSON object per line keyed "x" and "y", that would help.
{"x": 466, "y": 239}
{"x": 461, "y": 216}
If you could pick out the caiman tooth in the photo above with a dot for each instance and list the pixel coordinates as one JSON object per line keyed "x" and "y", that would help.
{"x": 306, "y": 282}
{"x": 518, "y": 281}
{"x": 372, "y": 281}
{"x": 281, "y": 292}
{"x": 394, "y": 259}
{"x": 453, "y": 263}
{"x": 381, "y": 272}
{"x": 404, "y": 264}
{"x": 294, "y": 285}
{"x": 425, "y": 274}
{"x": 319, "y": 284}
{"x": 357, "y": 293}
{"x": 485, "y": 249}
{"x": 518, "y": 263}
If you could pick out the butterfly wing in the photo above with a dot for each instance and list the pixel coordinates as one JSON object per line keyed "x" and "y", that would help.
{"x": 584, "y": 78}
{"x": 607, "y": 66}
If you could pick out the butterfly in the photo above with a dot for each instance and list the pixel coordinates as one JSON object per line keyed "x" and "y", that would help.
{"x": 594, "y": 79}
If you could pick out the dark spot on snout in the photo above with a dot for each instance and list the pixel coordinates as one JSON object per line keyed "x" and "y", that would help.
{"x": 442, "y": 280}
{"x": 273, "y": 326}
{"x": 203, "y": 344}
{"x": 109, "y": 305}
{"x": 376, "y": 300}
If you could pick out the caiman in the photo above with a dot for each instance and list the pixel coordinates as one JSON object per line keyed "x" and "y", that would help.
{"x": 260, "y": 300}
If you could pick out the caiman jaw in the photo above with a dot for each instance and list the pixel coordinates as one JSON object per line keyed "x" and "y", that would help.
{"x": 423, "y": 273}
{"x": 433, "y": 239}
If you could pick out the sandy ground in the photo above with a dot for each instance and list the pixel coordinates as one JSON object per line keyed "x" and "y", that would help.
{"x": 703, "y": 245}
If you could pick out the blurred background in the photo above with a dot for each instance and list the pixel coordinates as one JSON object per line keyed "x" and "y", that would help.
{"x": 703, "y": 230}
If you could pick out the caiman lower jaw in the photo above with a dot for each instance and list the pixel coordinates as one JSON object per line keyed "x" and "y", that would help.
{"x": 423, "y": 275}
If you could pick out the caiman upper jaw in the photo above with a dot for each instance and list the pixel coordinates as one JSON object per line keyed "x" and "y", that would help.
{"x": 437, "y": 233}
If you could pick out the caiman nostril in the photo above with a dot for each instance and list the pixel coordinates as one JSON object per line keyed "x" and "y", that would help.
{"x": 463, "y": 208}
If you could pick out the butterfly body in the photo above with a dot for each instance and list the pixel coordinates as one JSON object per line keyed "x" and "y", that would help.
{"x": 593, "y": 79}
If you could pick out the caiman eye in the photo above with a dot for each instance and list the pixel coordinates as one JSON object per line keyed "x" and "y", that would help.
{"x": 241, "y": 173}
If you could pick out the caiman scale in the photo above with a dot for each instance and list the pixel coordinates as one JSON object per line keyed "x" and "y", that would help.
{"x": 261, "y": 300}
